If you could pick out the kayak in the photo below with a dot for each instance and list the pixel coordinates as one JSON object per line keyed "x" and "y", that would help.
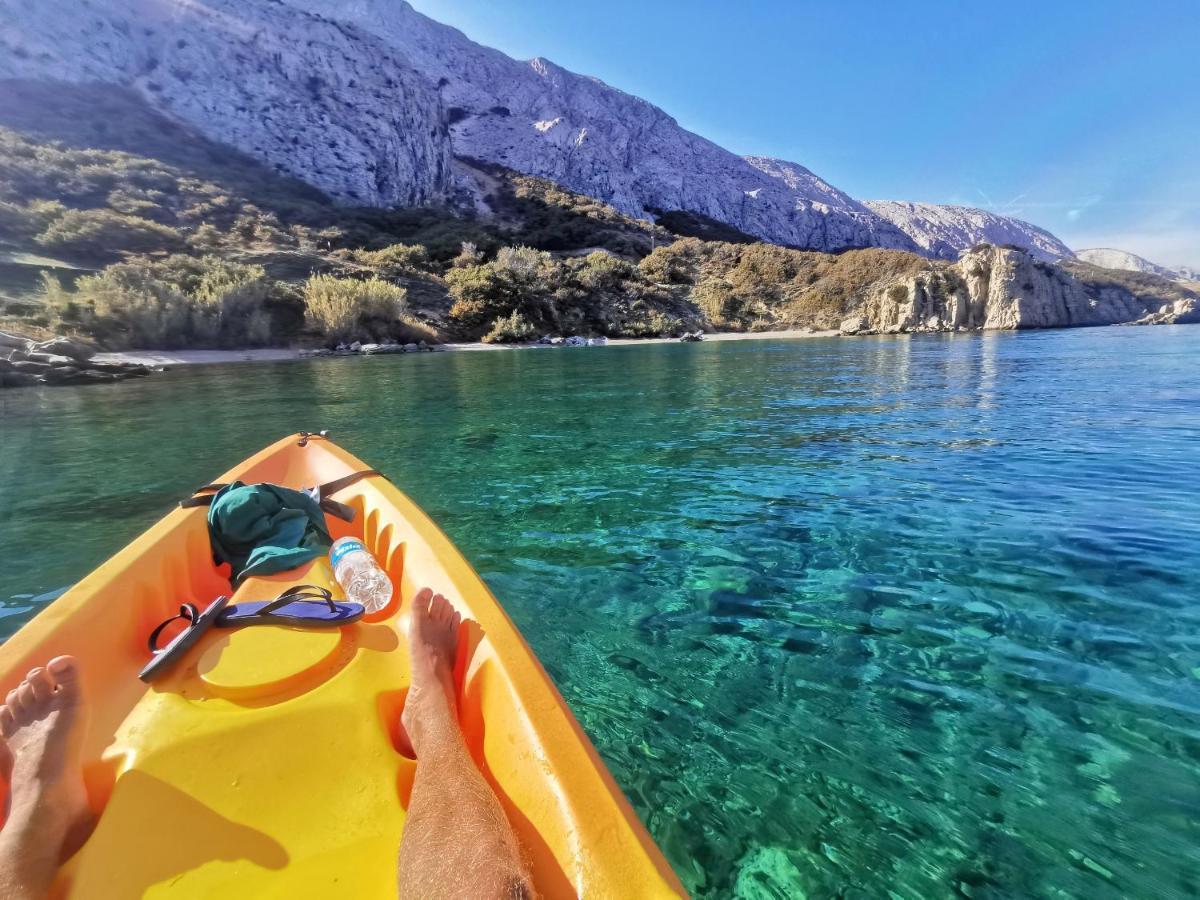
{"x": 269, "y": 761}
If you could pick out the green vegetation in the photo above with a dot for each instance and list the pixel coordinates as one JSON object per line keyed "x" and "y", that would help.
{"x": 185, "y": 242}
{"x": 344, "y": 309}
{"x": 1142, "y": 285}
{"x": 761, "y": 286}
{"x": 177, "y": 301}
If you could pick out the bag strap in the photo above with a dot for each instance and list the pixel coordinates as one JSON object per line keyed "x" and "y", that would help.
{"x": 203, "y": 495}
{"x": 321, "y": 493}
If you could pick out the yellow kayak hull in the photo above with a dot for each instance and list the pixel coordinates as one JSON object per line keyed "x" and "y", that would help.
{"x": 269, "y": 762}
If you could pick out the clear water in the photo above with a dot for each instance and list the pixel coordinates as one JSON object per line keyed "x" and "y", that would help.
{"x": 907, "y": 617}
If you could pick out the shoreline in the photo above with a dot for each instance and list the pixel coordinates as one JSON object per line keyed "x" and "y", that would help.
{"x": 276, "y": 354}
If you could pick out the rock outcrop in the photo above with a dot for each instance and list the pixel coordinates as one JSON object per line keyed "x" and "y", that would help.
{"x": 945, "y": 231}
{"x": 25, "y": 363}
{"x": 1001, "y": 288}
{"x": 314, "y": 98}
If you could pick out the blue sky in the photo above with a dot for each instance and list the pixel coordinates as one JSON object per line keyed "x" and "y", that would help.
{"x": 1082, "y": 117}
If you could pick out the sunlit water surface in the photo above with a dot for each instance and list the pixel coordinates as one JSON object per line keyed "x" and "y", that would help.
{"x": 906, "y": 617}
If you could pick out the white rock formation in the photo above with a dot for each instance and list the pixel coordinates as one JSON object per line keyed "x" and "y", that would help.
{"x": 367, "y": 100}
{"x": 1108, "y": 258}
{"x": 945, "y": 231}
{"x": 999, "y": 288}
{"x": 316, "y": 99}
{"x": 543, "y": 120}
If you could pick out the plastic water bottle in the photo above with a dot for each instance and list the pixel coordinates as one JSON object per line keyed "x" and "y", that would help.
{"x": 359, "y": 575}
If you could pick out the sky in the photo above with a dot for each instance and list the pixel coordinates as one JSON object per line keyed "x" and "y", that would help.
{"x": 1081, "y": 116}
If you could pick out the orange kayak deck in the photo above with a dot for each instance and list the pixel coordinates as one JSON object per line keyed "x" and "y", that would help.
{"x": 268, "y": 762}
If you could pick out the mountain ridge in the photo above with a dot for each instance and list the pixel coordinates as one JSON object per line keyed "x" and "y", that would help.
{"x": 944, "y": 231}
{"x": 369, "y": 101}
{"x": 1111, "y": 258}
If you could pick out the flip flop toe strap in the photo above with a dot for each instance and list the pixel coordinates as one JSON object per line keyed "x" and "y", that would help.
{"x": 187, "y": 612}
{"x": 305, "y": 593}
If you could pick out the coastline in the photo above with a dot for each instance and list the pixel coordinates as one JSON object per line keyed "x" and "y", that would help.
{"x": 274, "y": 354}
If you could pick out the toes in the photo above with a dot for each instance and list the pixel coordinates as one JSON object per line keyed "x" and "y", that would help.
{"x": 8, "y": 724}
{"x": 64, "y": 673}
{"x": 42, "y": 684}
{"x": 14, "y": 706}
{"x": 441, "y": 609}
{"x": 25, "y": 708}
{"x": 421, "y": 601}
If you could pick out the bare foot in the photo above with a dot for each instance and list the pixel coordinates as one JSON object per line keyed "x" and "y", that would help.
{"x": 42, "y": 725}
{"x": 432, "y": 641}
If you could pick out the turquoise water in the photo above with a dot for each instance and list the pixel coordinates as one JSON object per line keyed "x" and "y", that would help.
{"x": 908, "y": 617}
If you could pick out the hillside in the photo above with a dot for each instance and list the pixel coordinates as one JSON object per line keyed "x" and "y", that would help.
{"x": 151, "y": 235}
{"x": 1108, "y": 258}
{"x": 371, "y": 103}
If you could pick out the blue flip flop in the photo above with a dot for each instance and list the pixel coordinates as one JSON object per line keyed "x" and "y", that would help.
{"x": 163, "y": 658}
{"x": 304, "y": 606}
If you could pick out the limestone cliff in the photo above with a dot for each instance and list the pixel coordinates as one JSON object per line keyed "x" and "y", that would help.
{"x": 999, "y": 288}
{"x": 317, "y": 99}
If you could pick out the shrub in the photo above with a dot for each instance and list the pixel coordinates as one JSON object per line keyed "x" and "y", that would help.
{"x": 469, "y": 255}
{"x": 603, "y": 271}
{"x": 672, "y": 264}
{"x": 394, "y": 261}
{"x": 717, "y": 301}
{"x": 101, "y": 233}
{"x": 509, "y": 329}
{"x": 481, "y": 294}
{"x": 519, "y": 278}
{"x": 179, "y": 301}
{"x": 347, "y": 308}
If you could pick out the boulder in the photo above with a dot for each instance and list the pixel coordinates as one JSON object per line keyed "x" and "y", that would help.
{"x": 59, "y": 374}
{"x": 17, "y": 379}
{"x": 32, "y": 368}
{"x": 88, "y": 376}
{"x": 50, "y": 359}
{"x": 411, "y": 348}
{"x": 127, "y": 370}
{"x": 60, "y": 346}
{"x": 575, "y": 341}
{"x": 355, "y": 347}
{"x": 853, "y": 325}
{"x": 15, "y": 342}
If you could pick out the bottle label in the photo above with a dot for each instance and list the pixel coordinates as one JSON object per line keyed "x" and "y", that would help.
{"x": 342, "y": 549}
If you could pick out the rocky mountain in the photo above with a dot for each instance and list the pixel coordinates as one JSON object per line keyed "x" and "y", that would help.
{"x": 540, "y": 119}
{"x": 1000, "y": 288}
{"x": 944, "y": 231}
{"x": 313, "y": 98}
{"x": 1108, "y": 258}
{"x": 370, "y": 101}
